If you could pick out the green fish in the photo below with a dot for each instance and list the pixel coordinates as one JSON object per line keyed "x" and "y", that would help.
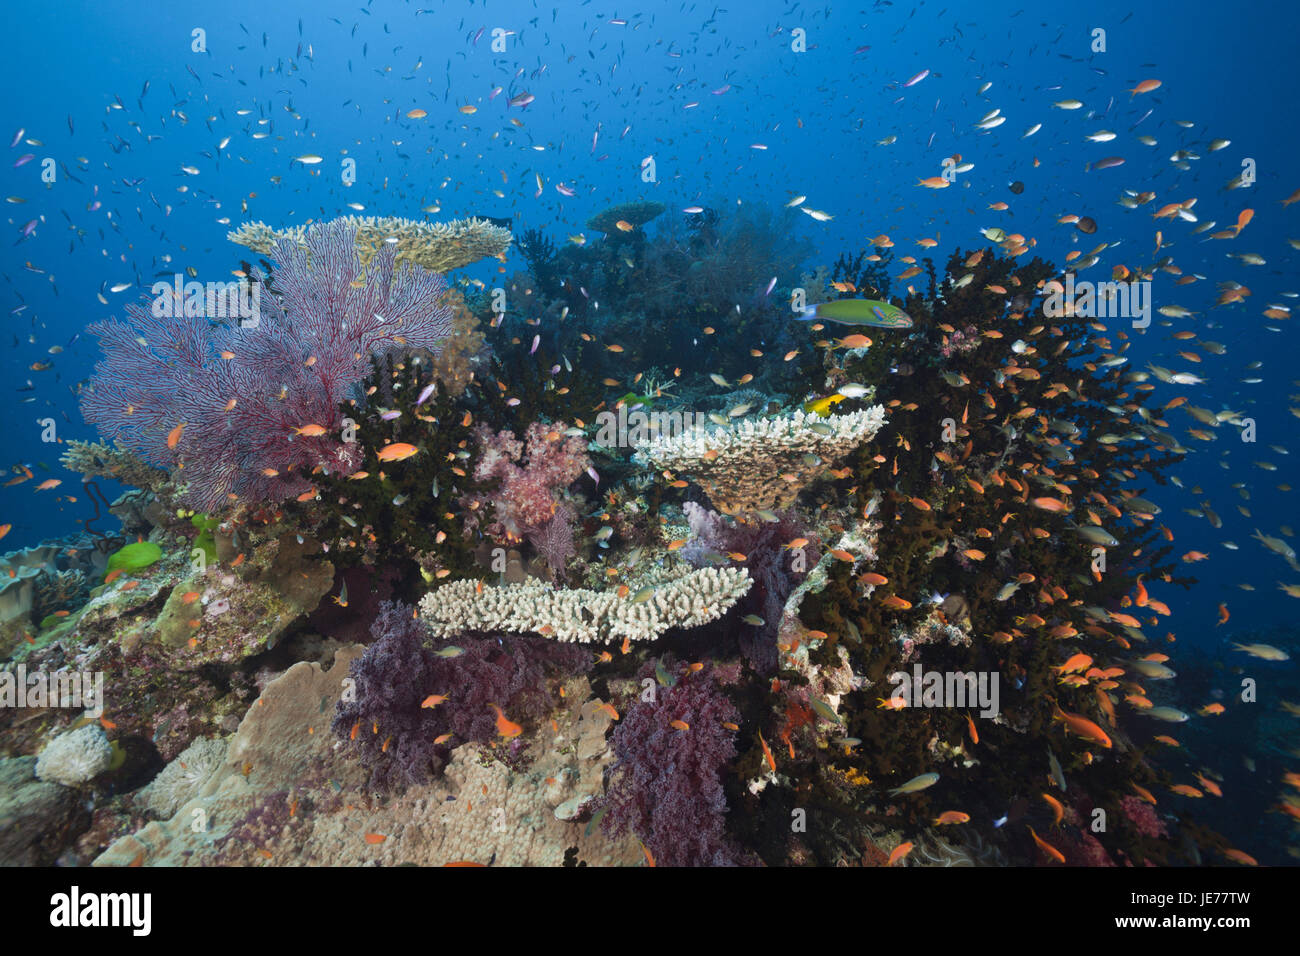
{"x": 823, "y": 710}
{"x": 916, "y": 783}
{"x": 632, "y": 400}
{"x": 872, "y": 312}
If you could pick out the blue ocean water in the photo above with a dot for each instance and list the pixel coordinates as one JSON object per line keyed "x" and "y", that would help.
{"x": 156, "y": 151}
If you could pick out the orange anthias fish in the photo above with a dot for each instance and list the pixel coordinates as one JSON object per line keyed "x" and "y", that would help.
{"x": 1046, "y": 847}
{"x": 1083, "y": 727}
{"x": 899, "y": 853}
{"x": 506, "y": 728}
{"x": 1079, "y": 662}
{"x": 951, "y": 816}
{"x": 1144, "y": 793}
{"x": 1058, "y": 811}
{"x": 1209, "y": 785}
{"x": 767, "y": 753}
{"x": 174, "y": 436}
{"x": 398, "y": 451}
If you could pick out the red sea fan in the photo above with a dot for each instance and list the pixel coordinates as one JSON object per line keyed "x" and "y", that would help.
{"x": 231, "y": 405}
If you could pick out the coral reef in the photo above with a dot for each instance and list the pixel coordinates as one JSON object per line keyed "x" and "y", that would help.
{"x": 378, "y": 443}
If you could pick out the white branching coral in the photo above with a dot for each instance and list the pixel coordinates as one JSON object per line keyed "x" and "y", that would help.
{"x": 75, "y": 757}
{"x": 181, "y": 779}
{"x": 437, "y": 246}
{"x": 765, "y": 462}
{"x": 680, "y": 599}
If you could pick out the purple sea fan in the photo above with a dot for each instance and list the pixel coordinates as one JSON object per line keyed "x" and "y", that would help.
{"x": 666, "y": 786}
{"x": 230, "y": 405}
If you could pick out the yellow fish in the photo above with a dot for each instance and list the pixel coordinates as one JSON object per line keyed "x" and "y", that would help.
{"x": 822, "y": 406}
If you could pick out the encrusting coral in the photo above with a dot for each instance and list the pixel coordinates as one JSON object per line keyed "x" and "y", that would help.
{"x": 181, "y": 779}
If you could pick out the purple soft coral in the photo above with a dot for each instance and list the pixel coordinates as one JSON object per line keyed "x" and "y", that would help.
{"x": 396, "y": 733}
{"x": 234, "y": 404}
{"x": 667, "y": 784}
{"x": 775, "y": 570}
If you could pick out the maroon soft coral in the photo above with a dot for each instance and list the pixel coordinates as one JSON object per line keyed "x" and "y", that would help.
{"x": 395, "y": 733}
{"x": 666, "y": 786}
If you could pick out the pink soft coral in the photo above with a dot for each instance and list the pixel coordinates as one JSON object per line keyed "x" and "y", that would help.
{"x": 532, "y": 474}
{"x": 1143, "y": 816}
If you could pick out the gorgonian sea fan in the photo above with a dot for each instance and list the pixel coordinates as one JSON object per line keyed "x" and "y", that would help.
{"x": 243, "y": 392}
